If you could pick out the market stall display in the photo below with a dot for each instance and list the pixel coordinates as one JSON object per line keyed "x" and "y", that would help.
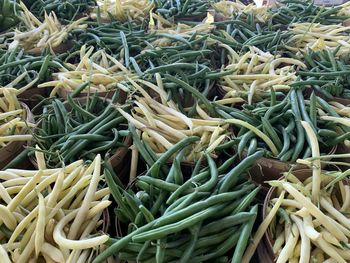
{"x": 174, "y": 131}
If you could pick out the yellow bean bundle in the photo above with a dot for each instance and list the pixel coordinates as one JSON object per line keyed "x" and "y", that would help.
{"x": 39, "y": 35}
{"x": 162, "y": 124}
{"x": 12, "y": 118}
{"x": 345, "y": 9}
{"x": 317, "y": 37}
{"x": 228, "y": 9}
{"x": 256, "y": 72}
{"x": 123, "y": 10}
{"x": 52, "y": 214}
{"x": 99, "y": 69}
{"x": 316, "y": 230}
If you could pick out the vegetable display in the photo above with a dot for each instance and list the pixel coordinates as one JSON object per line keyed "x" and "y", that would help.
{"x": 166, "y": 131}
{"x": 37, "y": 35}
{"x": 256, "y": 72}
{"x": 328, "y": 73}
{"x": 186, "y": 222}
{"x": 96, "y": 72}
{"x": 280, "y": 121}
{"x": 13, "y": 118}
{"x": 52, "y": 214}
{"x": 66, "y": 10}
{"x": 162, "y": 124}
{"x": 304, "y": 231}
{"x": 9, "y": 14}
{"x": 79, "y": 129}
{"x": 124, "y": 10}
{"x": 23, "y": 71}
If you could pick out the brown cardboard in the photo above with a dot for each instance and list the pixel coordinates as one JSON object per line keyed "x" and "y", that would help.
{"x": 31, "y": 96}
{"x": 266, "y": 169}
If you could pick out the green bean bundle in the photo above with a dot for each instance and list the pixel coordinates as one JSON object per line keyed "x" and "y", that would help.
{"x": 120, "y": 40}
{"x": 21, "y": 71}
{"x": 287, "y": 12}
{"x": 9, "y": 14}
{"x": 279, "y": 123}
{"x": 242, "y": 35}
{"x": 327, "y": 73}
{"x": 66, "y": 10}
{"x": 79, "y": 129}
{"x": 188, "y": 57}
{"x": 179, "y": 217}
{"x": 180, "y": 9}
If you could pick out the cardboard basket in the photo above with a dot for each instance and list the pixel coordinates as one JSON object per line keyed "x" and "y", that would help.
{"x": 62, "y": 48}
{"x": 266, "y": 169}
{"x": 266, "y": 244}
{"x": 117, "y": 159}
{"x": 31, "y": 96}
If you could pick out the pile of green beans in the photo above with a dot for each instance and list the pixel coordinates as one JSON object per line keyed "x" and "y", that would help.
{"x": 9, "y": 14}
{"x": 190, "y": 59}
{"x": 179, "y": 9}
{"x": 328, "y": 73}
{"x": 204, "y": 215}
{"x": 79, "y": 129}
{"x": 16, "y": 62}
{"x": 244, "y": 34}
{"x": 66, "y": 10}
{"x": 120, "y": 40}
{"x": 281, "y": 120}
{"x": 298, "y": 11}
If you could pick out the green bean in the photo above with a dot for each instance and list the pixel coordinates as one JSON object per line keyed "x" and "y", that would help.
{"x": 313, "y": 109}
{"x": 244, "y": 141}
{"x": 214, "y": 239}
{"x": 244, "y": 237}
{"x": 286, "y": 157}
{"x": 81, "y": 144}
{"x": 160, "y": 184}
{"x": 231, "y": 178}
{"x": 178, "y": 176}
{"x": 192, "y": 90}
{"x": 120, "y": 244}
{"x": 160, "y": 253}
{"x": 272, "y": 133}
{"x": 302, "y": 109}
{"x": 246, "y": 201}
{"x": 186, "y": 257}
{"x": 286, "y": 143}
{"x": 140, "y": 147}
{"x": 143, "y": 250}
{"x": 225, "y": 223}
{"x": 162, "y": 231}
{"x": 184, "y": 201}
{"x": 200, "y": 205}
{"x": 220, "y": 250}
{"x": 300, "y": 130}
{"x": 126, "y": 48}
{"x": 154, "y": 170}
{"x": 252, "y": 146}
{"x": 79, "y": 109}
{"x": 199, "y": 177}
{"x": 79, "y": 89}
{"x": 115, "y": 191}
